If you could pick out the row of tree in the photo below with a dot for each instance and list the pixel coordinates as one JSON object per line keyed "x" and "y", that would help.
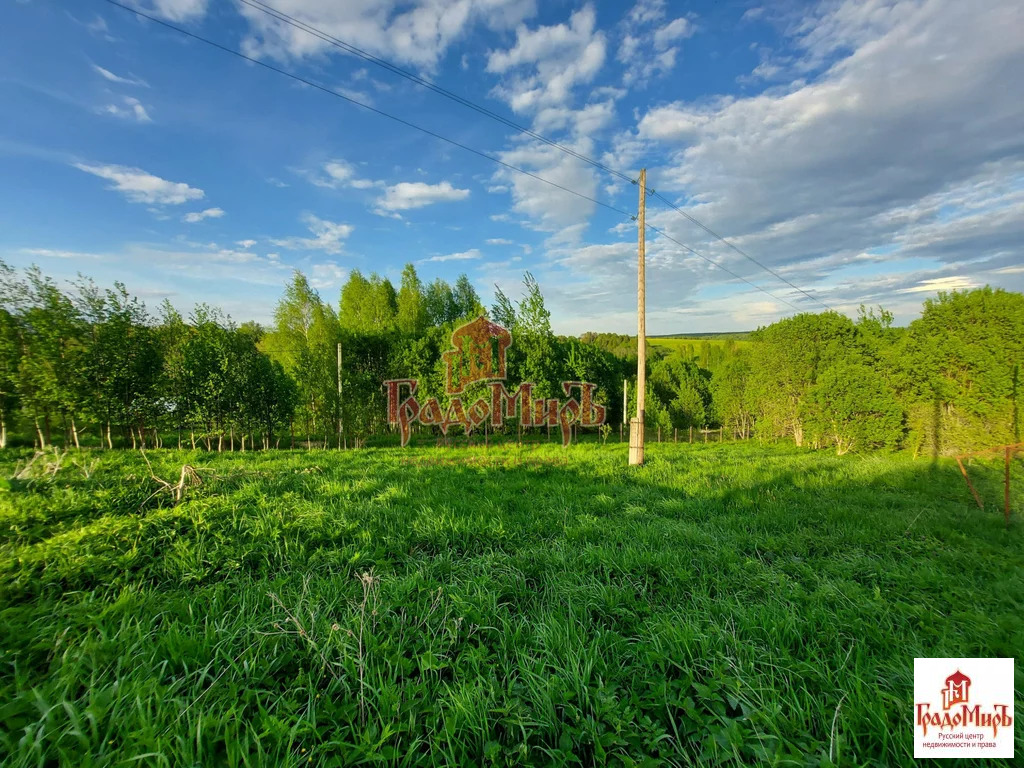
{"x": 84, "y": 364}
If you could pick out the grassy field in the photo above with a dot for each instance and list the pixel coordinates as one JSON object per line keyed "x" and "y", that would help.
{"x": 728, "y": 604}
{"x": 685, "y": 343}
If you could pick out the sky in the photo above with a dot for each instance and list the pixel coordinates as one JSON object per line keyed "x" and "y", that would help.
{"x": 865, "y": 151}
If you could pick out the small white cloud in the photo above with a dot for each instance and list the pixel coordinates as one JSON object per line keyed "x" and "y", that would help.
{"x": 138, "y": 186}
{"x": 416, "y": 194}
{"x": 951, "y": 283}
{"x": 499, "y": 241}
{"x": 132, "y": 110}
{"x": 328, "y": 236}
{"x": 326, "y": 274}
{"x": 52, "y": 253}
{"x": 339, "y": 173}
{"x": 247, "y": 244}
{"x": 106, "y": 74}
{"x": 472, "y": 253}
{"x": 209, "y": 213}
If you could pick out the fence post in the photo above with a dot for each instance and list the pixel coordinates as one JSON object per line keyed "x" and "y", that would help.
{"x": 659, "y": 433}
{"x": 963, "y": 471}
{"x": 675, "y": 435}
{"x": 691, "y": 434}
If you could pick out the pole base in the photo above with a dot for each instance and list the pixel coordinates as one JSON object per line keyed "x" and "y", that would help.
{"x": 636, "y": 442}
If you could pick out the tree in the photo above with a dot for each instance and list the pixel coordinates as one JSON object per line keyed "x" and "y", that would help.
{"x": 412, "y": 307}
{"x": 466, "y": 302}
{"x": 732, "y": 398}
{"x": 304, "y": 341}
{"x": 683, "y": 387}
{"x": 10, "y": 362}
{"x": 957, "y": 369}
{"x": 49, "y": 381}
{"x": 368, "y": 306}
{"x": 851, "y": 408}
{"x": 440, "y": 303}
{"x": 786, "y": 359}
{"x": 503, "y": 312}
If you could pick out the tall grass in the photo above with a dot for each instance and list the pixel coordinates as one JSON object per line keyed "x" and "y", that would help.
{"x": 727, "y": 605}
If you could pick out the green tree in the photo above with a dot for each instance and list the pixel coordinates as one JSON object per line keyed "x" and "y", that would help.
{"x": 503, "y": 312}
{"x": 852, "y": 408}
{"x": 304, "y": 341}
{"x": 786, "y": 360}
{"x": 440, "y": 301}
{"x": 412, "y": 307}
{"x": 464, "y": 296}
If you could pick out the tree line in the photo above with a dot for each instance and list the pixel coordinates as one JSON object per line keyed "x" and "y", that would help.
{"x": 80, "y": 364}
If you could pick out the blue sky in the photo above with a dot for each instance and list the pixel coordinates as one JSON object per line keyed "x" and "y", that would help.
{"x": 869, "y": 152}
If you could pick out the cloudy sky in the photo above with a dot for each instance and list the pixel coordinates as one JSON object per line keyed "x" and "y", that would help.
{"x": 867, "y": 151}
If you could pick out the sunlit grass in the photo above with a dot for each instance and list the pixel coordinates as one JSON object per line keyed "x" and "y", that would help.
{"x": 729, "y": 604}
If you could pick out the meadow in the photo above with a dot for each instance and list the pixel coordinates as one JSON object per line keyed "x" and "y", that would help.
{"x": 692, "y": 345}
{"x": 732, "y": 604}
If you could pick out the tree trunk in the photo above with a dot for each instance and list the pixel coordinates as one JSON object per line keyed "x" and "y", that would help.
{"x": 110, "y": 442}
{"x": 232, "y": 439}
{"x": 3, "y": 432}
{"x": 42, "y": 438}
{"x": 134, "y": 443}
{"x": 74, "y": 433}
{"x": 192, "y": 434}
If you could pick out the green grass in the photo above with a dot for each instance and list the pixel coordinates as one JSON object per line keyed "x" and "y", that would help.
{"x": 673, "y": 343}
{"x": 724, "y": 604}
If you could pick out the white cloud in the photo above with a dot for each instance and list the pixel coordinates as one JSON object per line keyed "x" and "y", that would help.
{"x": 246, "y": 244}
{"x": 174, "y": 10}
{"x": 471, "y": 254}
{"x": 908, "y": 140}
{"x": 339, "y": 173}
{"x": 328, "y": 236}
{"x": 108, "y": 75}
{"x": 326, "y": 274}
{"x": 209, "y": 213}
{"x": 499, "y": 241}
{"x": 551, "y": 209}
{"x": 952, "y": 283}
{"x": 132, "y": 110}
{"x": 547, "y": 62}
{"x": 417, "y": 32}
{"x": 138, "y": 186}
{"x": 416, "y": 194}
{"x": 51, "y": 253}
{"x": 646, "y": 48}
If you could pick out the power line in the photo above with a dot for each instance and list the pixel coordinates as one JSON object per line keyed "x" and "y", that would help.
{"x": 364, "y": 105}
{"x": 736, "y": 248}
{"x": 716, "y": 264}
{"x": 435, "y": 135}
{"x": 395, "y": 69}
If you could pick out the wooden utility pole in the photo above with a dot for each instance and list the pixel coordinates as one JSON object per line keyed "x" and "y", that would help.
{"x": 636, "y": 431}
{"x": 341, "y": 410}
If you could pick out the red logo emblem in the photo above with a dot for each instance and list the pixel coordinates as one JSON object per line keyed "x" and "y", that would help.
{"x": 956, "y": 690}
